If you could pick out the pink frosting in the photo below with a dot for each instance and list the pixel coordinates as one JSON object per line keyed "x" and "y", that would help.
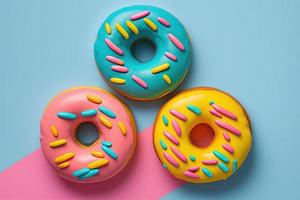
{"x": 75, "y": 101}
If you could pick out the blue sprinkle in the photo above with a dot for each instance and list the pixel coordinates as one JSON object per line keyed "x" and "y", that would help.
{"x": 66, "y": 115}
{"x": 163, "y": 145}
{"x": 165, "y": 119}
{"x": 234, "y": 166}
{"x": 207, "y": 172}
{"x": 221, "y": 156}
{"x": 88, "y": 113}
{"x": 192, "y": 158}
{"x": 223, "y": 167}
{"x": 194, "y": 109}
{"x": 211, "y": 102}
{"x": 109, "y": 152}
{"x": 107, "y": 112}
{"x": 80, "y": 172}
{"x": 164, "y": 166}
{"x": 91, "y": 173}
{"x": 107, "y": 143}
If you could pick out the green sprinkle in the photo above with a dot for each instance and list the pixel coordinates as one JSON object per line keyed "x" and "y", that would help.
{"x": 165, "y": 119}
{"x": 211, "y": 102}
{"x": 194, "y": 109}
{"x": 164, "y": 166}
{"x": 207, "y": 172}
{"x": 221, "y": 156}
{"x": 223, "y": 167}
{"x": 163, "y": 145}
{"x": 234, "y": 166}
{"x": 192, "y": 158}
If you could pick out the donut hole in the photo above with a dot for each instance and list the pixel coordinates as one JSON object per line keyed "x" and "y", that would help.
{"x": 202, "y": 135}
{"x": 87, "y": 133}
{"x": 143, "y": 50}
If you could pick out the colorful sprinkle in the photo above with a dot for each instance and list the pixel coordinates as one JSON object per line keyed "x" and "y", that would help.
{"x": 192, "y": 158}
{"x": 64, "y": 157}
{"x": 170, "y": 159}
{"x": 228, "y": 127}
{"x": 107, "y": 112}
{"x": 194, "y": 109}
{"x": 98, "y": 163}
{"x": 176, "y": 42}
{"x": 211, "y": 102}
{"x": 191, "y": 174}
{"x": 171, "y": 56}
{"x": 223, "y": 167}
{"x": 215, "y": 113}
{"x": 118, "y": 81}
{"x": 221, "y": 156}
{"x": 91, "y": 173}
{"x": 226, "y": 137}
{"x": 165, "y": 120}
{"x": 163, "y": 145}
{"x": 109, "y": 152}
{"x": 54, "y": 131}
{"x": 167, "y": 79}
{"x": 176, "y": 127}
{"x": 122, "y": 128}
{"x": 207, "y": 172}
{"x": 228, "y": 148}
{"x": 163, "y": 21}
{"x": 160, "y": 68}
{"x": 64, "y": 165}
{"x": 120, "y": 69}
{"x": 94, "y": 99}
{"x": 150, "y": 24}
{"x": 107, "y": 143}
{"x": 139, "y": 81}
{"x": 132, "y": 27}
{"x": 58, "y": 143}
{"x": 178, "y": 115}
{"x": 171, "y": 138}
{"x": 105, "y": 121}
{"x": 107, "y": 28}
{"x": 97, "y": 154}
{"x": 80, "y": 172}
{"x": 209, "y": 162}
{"x": 114, "y": 60}
{"x": 180, "y": 155}
{"x": 89, "y": 113}
{"x": 194, "y": 169}
{"x": 234, "y": 166}
{"x": 225, "y": 112}
{"x": 164, "y": 166}
{"x": 140, "y": 15}
{"x": 113, "y": 47}
{"x": 122, "y": 31}
{"x": 66, "y": 115}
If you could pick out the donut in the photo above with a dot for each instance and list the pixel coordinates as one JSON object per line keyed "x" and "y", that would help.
{"x": 126, "y": 74}
{"x": 202, "y": 135}
{"x": 106, "y": 156}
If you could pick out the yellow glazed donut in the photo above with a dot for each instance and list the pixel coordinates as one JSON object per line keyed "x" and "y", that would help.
{"x": 202, "y": 135}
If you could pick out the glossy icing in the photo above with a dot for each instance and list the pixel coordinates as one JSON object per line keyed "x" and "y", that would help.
{"x": 223, "y": 156}
{"x": 136, "y": 80}
{"x": 107, "y": 156}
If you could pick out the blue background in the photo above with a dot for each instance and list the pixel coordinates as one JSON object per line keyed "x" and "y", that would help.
{"x": 250, "y": 49}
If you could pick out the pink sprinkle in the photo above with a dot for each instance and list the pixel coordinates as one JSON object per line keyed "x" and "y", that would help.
{"x": 140, "y": 15}
{"x": 191, "y": 174}
{"x": 226, "y": 136}
{"x": 171, "y": 56}
{"x": 178, "y": 154}
{"x": 139, "y": 81}
{"x": 114, "y": 60}
{"x": 118, "y": 68}
{"x": 176, "y": 42}
{"x": 163, "y": 21}
{"x": 178, "y": 115}
{"x": 171, "y": 138}
{"x": 215, "y": 113}
{"x": 228, "y": 148}
{"x": 176, "y": 127}
{"x": 113, "y": 47}
{"x": 170, "y": 159}
{"x": 194, "y": 169}
{"x": 209, "y": 162}
{"x": 225, "y": 112}
{"x": 228, "y": 127}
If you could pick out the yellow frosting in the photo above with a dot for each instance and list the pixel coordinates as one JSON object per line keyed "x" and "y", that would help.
{"x": 202, "y": 100}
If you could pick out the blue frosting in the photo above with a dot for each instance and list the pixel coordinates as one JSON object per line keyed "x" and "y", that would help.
{"x": 157, "y": 86}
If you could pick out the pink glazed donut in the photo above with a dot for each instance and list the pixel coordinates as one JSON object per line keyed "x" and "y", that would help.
{"x": 104, "y": 158}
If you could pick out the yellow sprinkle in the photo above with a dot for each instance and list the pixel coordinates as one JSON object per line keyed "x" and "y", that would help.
{"x": 132, "y": 27}
{"x": 94, "y": 99}
{"x": 150, "y": 23}
{"x": 160, "y": 68}
{"x": 97, "y": 154}
{"x": 98, "y": 163}
{"x": 122, "y": 31}
{"x": 58, "y": 143}
{"x": 64, "y": 165}
{"x": 118, "y": 80}
{"x": 122, "y": 128}
{"x": 107, "y": 28}
{"x": 167, "y": 78}
{"x": 64, "y": 157}
{"x": 54, "y": 131}
{"x": 105, "y": 121}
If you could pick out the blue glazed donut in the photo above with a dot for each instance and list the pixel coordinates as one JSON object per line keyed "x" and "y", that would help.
{"x": 130, "y": 77}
